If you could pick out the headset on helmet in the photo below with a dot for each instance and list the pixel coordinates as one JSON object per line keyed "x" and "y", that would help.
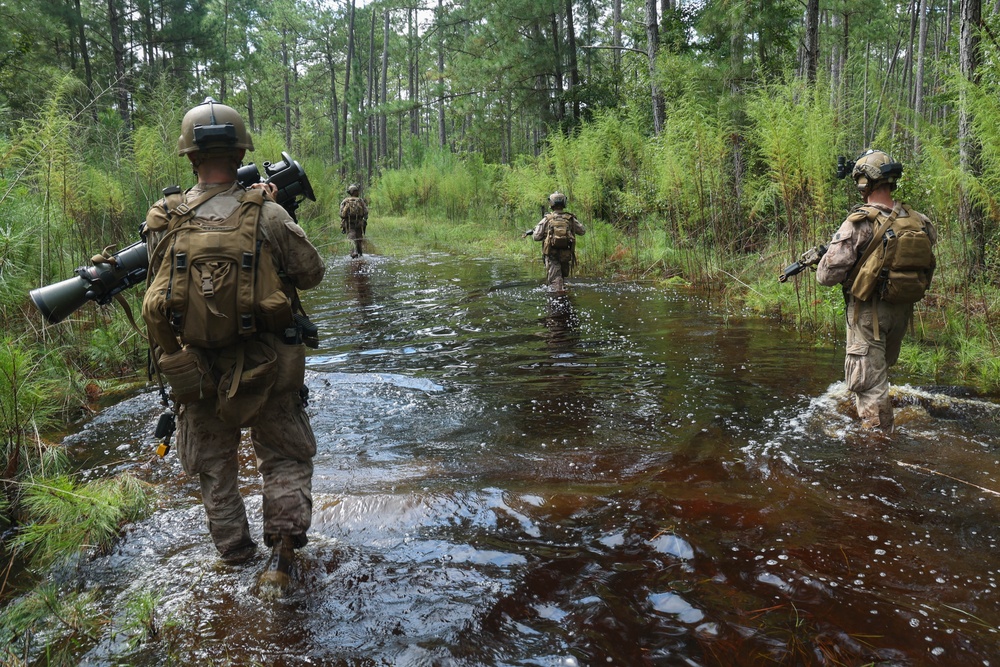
{"x": 874, "y": 168}
{"x": 212, "y": 127}
{"x": 557, "y": 200}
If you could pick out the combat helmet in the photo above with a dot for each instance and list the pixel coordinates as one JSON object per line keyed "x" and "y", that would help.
{"x": 212, "y": 127}
{"x": 353, "y": 190}
{"x": 874, "y": 168}
{"x": 557, "y": 200}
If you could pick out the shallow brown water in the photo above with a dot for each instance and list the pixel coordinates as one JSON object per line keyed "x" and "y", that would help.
{"x": 626, "y": 476}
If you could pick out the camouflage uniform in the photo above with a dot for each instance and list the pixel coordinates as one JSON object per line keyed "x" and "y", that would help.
{"x": 558, "y": 261}
{"x": 354, "y": 227}
{"x": 281, "y": 435}
{"x": 875, "y": 329}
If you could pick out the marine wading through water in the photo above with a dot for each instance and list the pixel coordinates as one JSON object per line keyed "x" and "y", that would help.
{"x": 883, "y": 258}
{"x": 557, "y": 231}
{"x": 226, "y": 328}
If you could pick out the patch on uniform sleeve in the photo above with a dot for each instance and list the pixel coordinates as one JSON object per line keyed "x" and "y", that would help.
{"x": 845, "y": 233}
{"x": 857, "y": 216}
{"x": 295, "y": 229}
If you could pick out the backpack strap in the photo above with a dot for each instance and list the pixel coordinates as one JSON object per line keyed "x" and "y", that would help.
{"x": 251, "y": 205}
{"x": 179, "y": 211}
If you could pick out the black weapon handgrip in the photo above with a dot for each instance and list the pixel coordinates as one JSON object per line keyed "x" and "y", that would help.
{"x": 792, "y": 269}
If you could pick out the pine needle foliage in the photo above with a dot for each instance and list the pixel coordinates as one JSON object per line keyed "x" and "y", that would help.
{"x": 26, "y": 408}
{"x": 48, "y": 626}
{"x": 55, "y": 624}
{"x": 68, "y": 518}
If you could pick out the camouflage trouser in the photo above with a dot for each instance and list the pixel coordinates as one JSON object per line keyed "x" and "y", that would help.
{"x": 866, "y": 367}
{"x": 356, "y": 235}
{"x": 284, "y": 444}
{"x": 557, "y": 270}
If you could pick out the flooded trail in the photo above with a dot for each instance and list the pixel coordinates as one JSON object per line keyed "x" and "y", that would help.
{"x": 624, "y": 476}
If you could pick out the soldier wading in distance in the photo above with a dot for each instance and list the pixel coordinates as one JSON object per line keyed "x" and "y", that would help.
{"x": 557, "y": 231}
{"x": 354, "y": 219}
{"x": 224, "y": 267}
{"x": 883, "y": 257}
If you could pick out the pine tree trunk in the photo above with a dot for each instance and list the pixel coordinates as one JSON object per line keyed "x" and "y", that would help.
{"x": 971, "y": 212}
{"x": 918, "y": 86}
{"x": 905, "y": 94}
{"x": 225, "y": 51}
{"x": 372, "y": 134}
{"x": 442, "y": 137}
{"x": 287, "y": 86}
{"x": 412, "y": 74}
{"x": 558, "y": 74}
{"x": 383, "y": 150}
{"x": 334, "y": 115}
{"x": 616, "y": 37}
{"x": 347, "y": 78}
{"x": 812, "y": 39}
{"x": 84, "y": 51}
{"x": 251, "y": 120}
{"x": 121, "y": 92}
{"x": 574, "y": 71}
{"x": 652, "y": 46}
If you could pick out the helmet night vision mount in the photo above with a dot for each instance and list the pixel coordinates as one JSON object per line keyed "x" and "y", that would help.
{"x": 873, "y": 164}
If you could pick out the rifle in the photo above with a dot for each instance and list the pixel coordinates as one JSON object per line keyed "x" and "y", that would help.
{"x": 810, "y": 258}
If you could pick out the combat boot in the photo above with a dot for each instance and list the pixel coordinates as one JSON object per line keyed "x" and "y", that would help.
{"x": 240, "y": 554}
{"x": 280, "y": 568}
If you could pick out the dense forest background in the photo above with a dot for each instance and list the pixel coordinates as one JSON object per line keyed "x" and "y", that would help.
{"x": 697, "y": 140}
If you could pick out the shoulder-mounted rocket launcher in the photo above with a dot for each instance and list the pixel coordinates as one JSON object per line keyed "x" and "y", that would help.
{"x": 112, "y": 273}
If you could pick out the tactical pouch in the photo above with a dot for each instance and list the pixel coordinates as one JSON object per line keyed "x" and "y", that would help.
{"x": 904, "y": 287}
{"x": 864, "y": 284}
{"x": 291, "y": 373}
{"x": 274, "y": 312}
{"x": 187, "y": 374}
{"x": 246, "y": 386}
{"x": 909, "y": 275}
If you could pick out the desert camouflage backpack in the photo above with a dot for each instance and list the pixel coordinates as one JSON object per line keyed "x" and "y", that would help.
{"x": 353, "y": 208}
{"x": 559, "y": 234}
{"x": 212, "y": 284}
{"x": 898, "y": 263}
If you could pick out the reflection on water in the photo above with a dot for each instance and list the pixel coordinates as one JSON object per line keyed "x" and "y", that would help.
{"x": 618, "y": 476}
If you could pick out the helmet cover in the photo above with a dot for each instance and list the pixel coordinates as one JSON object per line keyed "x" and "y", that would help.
{"x": 212, "y": 127}
{"x": 874, "y": 168}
